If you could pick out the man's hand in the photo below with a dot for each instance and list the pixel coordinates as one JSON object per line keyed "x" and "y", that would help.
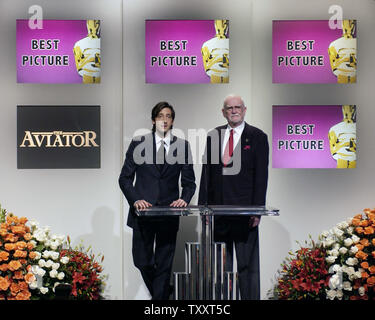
{"x": 178, "y": 203}
{"x": 142, "y": 204}
{"x": 254, "y": 221}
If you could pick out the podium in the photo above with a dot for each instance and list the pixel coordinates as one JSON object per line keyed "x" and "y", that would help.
{"x": 204, "y": 277}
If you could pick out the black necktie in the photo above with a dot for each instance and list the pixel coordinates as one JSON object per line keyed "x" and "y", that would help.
{"x": 160, "y": 156}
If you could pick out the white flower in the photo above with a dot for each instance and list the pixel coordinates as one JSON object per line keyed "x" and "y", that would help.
{"x": 55, "y": 266}
{"x": 53, "y": 273}
{"x": 351, "y": 261}
{"x": 361, "y": 291}
{"x": 41, "y": 272}
{"x": 342, "y": 225}
{"x": 54, "y": 245}
{"x": 334, "y": 281}
{"x": 339, "y": 294}
{"x": 337, "y": 232}
{"x": 64, "y": 260}
{"x": 61, "y": 275}
{"x": 343, "y": 250}
{"x": 54, "y": 255}
{"x": 348, "y": 242}
{"x": 324, "y": 234}
{"x": 336, "y": 268}
{"x": 42, "y": 263}
{"x": 331, "y": 259}
{"x": 353, "y": 250}
{"x": 350, "y": 230}
{"x": 334, "y": 252}
{"x": 43, "y": 290}
{"x": 331, "y": 294}
{"x": 33, "y": 285}
{"x": 358, "y": 274}
{"x": 347, "y": 286}
{"x": 45, "y": 254}
{"x": 355, "y": 239}
{"x": 49, "y": 263}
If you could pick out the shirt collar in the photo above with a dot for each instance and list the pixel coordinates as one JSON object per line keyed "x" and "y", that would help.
{"x": 167, "y": 138}
{"x": 237, "y": 129}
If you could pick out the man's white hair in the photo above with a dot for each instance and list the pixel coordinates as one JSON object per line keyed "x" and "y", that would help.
{"x": 232, "y": 95}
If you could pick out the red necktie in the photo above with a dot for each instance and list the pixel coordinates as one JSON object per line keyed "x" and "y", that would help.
{"x": 228, "y": 152}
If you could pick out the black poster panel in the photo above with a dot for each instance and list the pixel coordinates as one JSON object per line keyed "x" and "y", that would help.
{"x": 58, "y": 137}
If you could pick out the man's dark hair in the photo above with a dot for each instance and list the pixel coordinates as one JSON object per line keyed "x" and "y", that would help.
{"x": 158, "y": 107}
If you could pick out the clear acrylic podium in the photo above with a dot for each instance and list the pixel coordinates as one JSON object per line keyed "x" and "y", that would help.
{"x": 204, "y": 277}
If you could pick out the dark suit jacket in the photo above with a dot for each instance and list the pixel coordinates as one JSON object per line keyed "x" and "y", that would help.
{"x": 155, "y": 186}
{"x": 246, "y": 181}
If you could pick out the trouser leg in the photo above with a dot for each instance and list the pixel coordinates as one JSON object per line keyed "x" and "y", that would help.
{"x": 247, "y": 253}
{"x": 164, "y": 253}
{"x": 143, "y": 255}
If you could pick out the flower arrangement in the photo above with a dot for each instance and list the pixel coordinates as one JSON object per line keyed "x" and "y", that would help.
{"x": 33, "y": 262}
{"x": 48, "y": 267}
{"x": 303, "y": 275}
{"x": 340, "y": 266}
{"x": 16, "y": 251}
{"x": 351, "y": 258}
{"x": 83, "y": 271}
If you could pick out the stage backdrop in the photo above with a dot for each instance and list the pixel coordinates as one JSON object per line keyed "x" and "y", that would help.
{"x": 64, "y": 51}
{"x": 187, "y": 51}
{"x": 51, "y": 137}
{"x": 314, "y": 136}
{"x": 312, "y": 51}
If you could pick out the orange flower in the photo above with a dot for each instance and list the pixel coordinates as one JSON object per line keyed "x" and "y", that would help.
{"x": 365, "y": 242}
{"x": 18, "y": 230}
{"x": 4, "y": 256}
{"x": 359, "y": 230}
{"x": 371, "y": 281}
{"x": 369, "y": 230}
{"x": 4, "y": 283}
{"x": 363, "y": 223}
{"x": 9, "y": 246}
{"x": 365, "y": 275}
{"x": 371, "y": 216}
{"x": 14, "y": 288}
{"x": 10, "y": 237}
{"x": 32, "y": 255}
{"x": 18, "y": 275}
{"x": 361, "y": 255}
{"x": 30, "y": 246}
{"x": 29, "y": 278}
{"x": 23, "y": 295}
{"x": 14, "y": 265}
{"x": 364, "y": 265}
{"x": 373, "y": 242}
{"x": 4, "y": 267}
{"x": 372, "y": 269}
{"x": 20, "y": 254}
{"x": 358, "y": 216}
{"x": 27, "y": 236}
{"x": 23, "y": 220}
{"x": 360, "y": 246}
{"x": 356, "y": 222}
{"x": 23, "y": 285}
{"x": 373, "y": 254}
{"x": 21, "y": 245}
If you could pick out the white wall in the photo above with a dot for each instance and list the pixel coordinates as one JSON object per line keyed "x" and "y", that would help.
{"x": 84, "y": 204}
{"x": 88, "y": 203}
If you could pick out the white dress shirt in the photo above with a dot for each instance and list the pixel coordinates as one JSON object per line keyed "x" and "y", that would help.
{"x": 166, "y": 139}
{"x": 237, "y": 131}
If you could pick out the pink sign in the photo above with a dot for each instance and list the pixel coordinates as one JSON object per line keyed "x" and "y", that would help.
{"x": 313, "y": 51}
{"x": 61, "y": 52}
{"x": 187, "y": 51}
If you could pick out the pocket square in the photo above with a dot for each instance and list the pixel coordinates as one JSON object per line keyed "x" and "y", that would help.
{"x": 247, "y": 147}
